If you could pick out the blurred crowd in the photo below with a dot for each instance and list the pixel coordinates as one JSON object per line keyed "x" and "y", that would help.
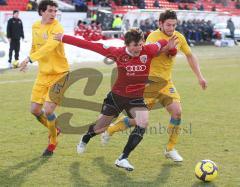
{"x": 195, "y": 30}
{"x": 91, "y": 32}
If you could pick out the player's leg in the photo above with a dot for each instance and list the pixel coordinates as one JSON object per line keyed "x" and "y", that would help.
{"x": 17, "y": 49}
{"x": 49, "y": 108}
{"x": 151, "y": 93}
{"x": 120, "y": 124}
{"x": 39, "y": 91}
{"x": 10, "y": 52}
{"x": 170, "y": 98}
{"x": 173, "y": 130}
{"x": 110, "y": 109}
{"x": 36, "y": 110}
{"x": 93, "y": 130}
{"x": 140, "y": 115}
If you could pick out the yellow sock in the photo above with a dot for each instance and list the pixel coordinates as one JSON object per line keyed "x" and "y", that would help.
{"x": 52, "y": 128}
{"x": 118, "y": 125}
{"x": 173, "y": 131}
{"x": 42, "y": 119}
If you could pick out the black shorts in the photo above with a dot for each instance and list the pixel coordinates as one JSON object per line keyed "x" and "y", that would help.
{"x": 114, "y": 104}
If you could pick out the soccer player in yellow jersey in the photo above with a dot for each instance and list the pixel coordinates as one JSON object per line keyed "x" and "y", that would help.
{"x": 53, "y": 66}
{"x": 161, "y": 88}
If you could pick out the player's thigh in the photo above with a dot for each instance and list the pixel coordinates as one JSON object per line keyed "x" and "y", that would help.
{"x": 57, "y": 87}
{"x": 39, "y": 92}
{"x": 152, "y": 91}
{"x": 141, "y": 116}
{"x": 168, "y": 95}
{"x": 111, "y": 105}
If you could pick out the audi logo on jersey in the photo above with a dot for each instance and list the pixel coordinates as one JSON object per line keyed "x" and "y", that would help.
{"x": 134, "y": 68}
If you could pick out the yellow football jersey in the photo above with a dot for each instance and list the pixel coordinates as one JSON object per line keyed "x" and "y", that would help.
{"x": 161, "y": 66}
{"x": 48, "y": 52}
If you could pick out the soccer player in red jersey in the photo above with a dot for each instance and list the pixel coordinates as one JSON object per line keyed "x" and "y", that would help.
{"x": 133, "y": 62}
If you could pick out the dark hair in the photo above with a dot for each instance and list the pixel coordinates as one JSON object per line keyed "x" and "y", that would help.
{"x": 15, "y": 11}
{"x": 133, "y": 35}
{"x": 42, "y": 6}
{"x": 168, "y": 14}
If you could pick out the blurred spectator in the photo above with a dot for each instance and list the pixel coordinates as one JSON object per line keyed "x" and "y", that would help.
{"x": 156, "y": 4}
{"x": 117, "y": 23}
{"x": 213, "y": 8}
{"x": 237, "y": 5}
{"x": 141, "y": 4}
{"x": 93, "y": 16}
{"x": 32, "y": 5}
{"x": 201, "y": 7}
{"x": 186, "y": 7}
{"x": 3, "y": 2}
{"x": 231, "y": 27}
{"x": 14, "y": 34}
{"x": 135, "y": 23}
{"x": 80, "y": 5}
{"x": 180, "y": 7}
{"x": 126, "y": 24}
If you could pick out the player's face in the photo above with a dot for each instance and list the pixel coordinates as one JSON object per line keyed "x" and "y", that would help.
{"x": 135, "y": 48}
{"x": 168, "y": 26}
{"x": 49, "y": 15}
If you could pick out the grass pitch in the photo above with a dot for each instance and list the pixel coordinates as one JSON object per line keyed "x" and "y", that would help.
{"x": 210, "y": 122}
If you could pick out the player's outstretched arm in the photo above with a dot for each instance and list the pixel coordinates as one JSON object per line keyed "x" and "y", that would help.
{"x": 96, "y": 47}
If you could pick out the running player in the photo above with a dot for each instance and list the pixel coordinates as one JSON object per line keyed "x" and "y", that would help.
{"x": 133, "y": 62}
{"x": 161, "y": 88}
{"x": 53, "y": 66}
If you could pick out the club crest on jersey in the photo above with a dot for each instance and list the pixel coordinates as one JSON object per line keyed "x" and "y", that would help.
{"x": 143, "y": 58}
{"x": 45, "y": 36}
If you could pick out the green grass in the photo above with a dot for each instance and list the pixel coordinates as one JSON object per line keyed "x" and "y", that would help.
{"x": 210, "y": 119}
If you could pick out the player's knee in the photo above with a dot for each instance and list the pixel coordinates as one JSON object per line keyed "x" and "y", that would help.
{"x": 176, "y": 114}
{"x": 142, "y": 123}
{"x": 35, "y": 111}
{"x": 48, "y": 112}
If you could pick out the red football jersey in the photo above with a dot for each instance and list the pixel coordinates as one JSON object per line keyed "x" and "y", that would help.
{"x": 132, "y": 71}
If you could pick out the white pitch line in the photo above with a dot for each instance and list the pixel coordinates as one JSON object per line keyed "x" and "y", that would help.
{"x": 17, "y": 81}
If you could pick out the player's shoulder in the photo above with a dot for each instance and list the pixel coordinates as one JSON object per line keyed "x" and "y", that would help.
{"x": 36, "y": 24}
{"x": 56, "y": 25}
{"x": 154, "y": 34}
{"x": 180, "y": 35}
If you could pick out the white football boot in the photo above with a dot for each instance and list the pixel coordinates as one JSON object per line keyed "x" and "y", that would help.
{"x": 123, "y": 163}
{"x": 173, "y": 155}
{"x": 105, "y": 137}
{"x": 81, "y": 147}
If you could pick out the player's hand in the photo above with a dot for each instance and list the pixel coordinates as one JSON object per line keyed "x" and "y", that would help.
{"x": 9, "y": 40}
{"x": 203, "y": 83}
{"x": 172, "y": 42}
{"x": 172, "y": 45}
{"x": 58, "y": 37}
{"x": 23, "y": 65}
